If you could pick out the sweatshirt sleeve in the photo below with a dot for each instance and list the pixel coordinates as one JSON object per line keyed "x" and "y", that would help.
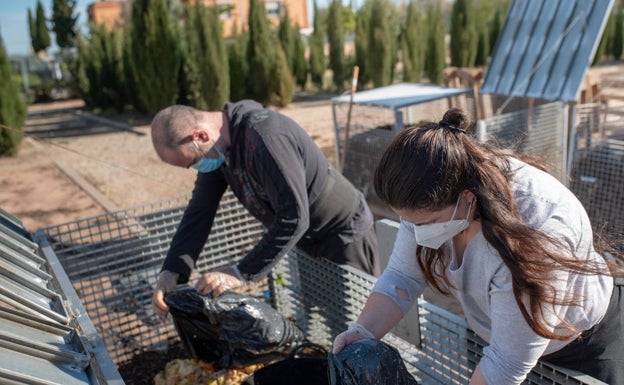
{"x": 196, "y": 222}
{"x": 280, "y": 171}
{"x": 402, "y": 275}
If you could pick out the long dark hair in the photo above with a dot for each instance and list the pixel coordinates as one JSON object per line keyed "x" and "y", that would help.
{"x": 428, "y": 165}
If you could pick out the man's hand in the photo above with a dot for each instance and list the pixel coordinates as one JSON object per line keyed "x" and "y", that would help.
{"x": 214, "y": 283}
{"x": 167, "y": 281}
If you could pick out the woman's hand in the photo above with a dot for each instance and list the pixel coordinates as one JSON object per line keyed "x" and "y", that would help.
{"x": 354, "y": 333}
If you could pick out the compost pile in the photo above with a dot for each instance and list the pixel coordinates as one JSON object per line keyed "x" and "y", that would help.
{"x": 227, "y": 338}
{"x": 142, "y": 368}
{"x": 193, "y": 371}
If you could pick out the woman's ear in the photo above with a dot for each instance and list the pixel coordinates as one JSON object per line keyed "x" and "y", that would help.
{"x": 469, "y": 196}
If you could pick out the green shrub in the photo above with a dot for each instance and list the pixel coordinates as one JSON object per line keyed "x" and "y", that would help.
{"x": 12, "y": 107}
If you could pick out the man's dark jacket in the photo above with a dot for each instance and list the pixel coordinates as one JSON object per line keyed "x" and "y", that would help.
{"x": 281, "y": 176}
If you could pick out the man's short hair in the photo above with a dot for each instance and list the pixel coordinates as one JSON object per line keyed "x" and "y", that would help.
{"x": 171, "y": 125}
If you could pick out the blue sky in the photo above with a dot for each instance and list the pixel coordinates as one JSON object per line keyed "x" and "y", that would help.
{"x": 14, "y": 22}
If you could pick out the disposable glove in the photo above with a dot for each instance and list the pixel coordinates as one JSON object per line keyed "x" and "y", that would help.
{"x": 355, "y": 332}
{"x": 167, "y": 281}
{"x": 216, "y": 282}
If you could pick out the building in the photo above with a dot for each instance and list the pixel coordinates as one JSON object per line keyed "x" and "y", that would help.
{"x": 234, "y": 14}
{"x": 109, "y": 13}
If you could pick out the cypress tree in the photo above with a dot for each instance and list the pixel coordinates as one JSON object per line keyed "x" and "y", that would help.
{"x": 335, "y": 38}
{"x": 95, "y": 63}
{"x": 113, "y": 79}
{"x": 283, "y": 84}
{"x": 12, "y": 107}
{"x": 187, "y": 63}
{"x": 435, "y": 58}
{"x": 317, "y": 51}
{"x": 42, "y": 40}
{"x": 381, "y": 43}
{"x": 604, "y": 45}
{"x": 32, "y": 29}
{"x": 260, "y": 54}
{"x": 362, "y": 22}
{"x": 82, "y": 75}
{"x": 153, "y": 56}
{"x": 464, "y": 34}
{"x": 610, "y": 33}
{"x": 286, "y": 35}
{"x": 300, "y": 70}
{"x": 413, "y": 40}
{"x": 63, "y": 22}
{"x": 496, "y": 25}
{"x": 618, "y": 35}
{"x": 483, "y": 37}
{"x": 238, "y": 66}
{"x": 209, "y": 74}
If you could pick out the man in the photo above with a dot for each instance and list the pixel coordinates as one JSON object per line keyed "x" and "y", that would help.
{"x": 279, "y": 174}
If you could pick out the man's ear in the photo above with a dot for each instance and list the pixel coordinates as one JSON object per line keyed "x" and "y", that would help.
{"x": 199, "y": 135}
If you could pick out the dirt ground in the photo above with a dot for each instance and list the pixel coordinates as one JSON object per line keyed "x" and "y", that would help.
{"x": 73, "y": 165}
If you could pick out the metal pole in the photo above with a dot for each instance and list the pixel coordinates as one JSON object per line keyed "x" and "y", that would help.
{"x": 356, "y": 70}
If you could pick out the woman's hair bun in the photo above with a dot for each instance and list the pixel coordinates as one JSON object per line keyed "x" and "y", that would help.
{"x": 457, "y": 117}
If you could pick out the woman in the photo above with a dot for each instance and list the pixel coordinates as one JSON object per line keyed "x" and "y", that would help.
{"x": 509, "y": 241}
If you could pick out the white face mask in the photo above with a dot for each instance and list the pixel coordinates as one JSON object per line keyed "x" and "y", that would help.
{"x": 433, "y": 235}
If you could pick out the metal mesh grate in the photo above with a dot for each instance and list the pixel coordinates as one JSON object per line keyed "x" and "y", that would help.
{"x": 113, "y": 261}
{"x": 538, "y": 131}
{"x": 597, "y": 170}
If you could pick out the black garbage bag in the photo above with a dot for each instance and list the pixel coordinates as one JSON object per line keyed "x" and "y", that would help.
{"x": 306, "y": 365}
{"x": 232, "y": 330}
{"x": 367, "y": 362}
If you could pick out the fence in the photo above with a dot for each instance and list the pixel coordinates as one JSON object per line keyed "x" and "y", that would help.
{"x": 597, "y": 169}
{"x": 540, "y": 131}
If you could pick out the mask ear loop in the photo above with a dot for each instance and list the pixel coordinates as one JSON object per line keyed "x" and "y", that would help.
{"x": 469, "y": 209}
{"x": 219, "y": 152}
{"x": 455, "y": 210}
{"x": 199, "y": 151}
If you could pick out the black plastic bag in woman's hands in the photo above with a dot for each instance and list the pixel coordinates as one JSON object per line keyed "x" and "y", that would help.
{"x": 300, "y": 368}
{"x": 368, "y": 362}
{"x": 232, "y": 330}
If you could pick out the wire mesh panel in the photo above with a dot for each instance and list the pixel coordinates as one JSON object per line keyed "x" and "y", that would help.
{"x": 114, "y": 259}
{"x": 540, "y": 131}
{"x": 448, "y": 348}
{"x": 597, "y": 179}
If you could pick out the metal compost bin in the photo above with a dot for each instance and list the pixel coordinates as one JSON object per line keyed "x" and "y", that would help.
{"x": 112, "y": 261}
{"x": 46, "y": 336}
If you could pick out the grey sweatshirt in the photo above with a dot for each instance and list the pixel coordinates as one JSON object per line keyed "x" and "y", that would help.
{"x": 482, "y": 283}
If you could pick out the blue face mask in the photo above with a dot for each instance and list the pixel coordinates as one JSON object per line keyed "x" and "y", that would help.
{"x": 208, "y": 164}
